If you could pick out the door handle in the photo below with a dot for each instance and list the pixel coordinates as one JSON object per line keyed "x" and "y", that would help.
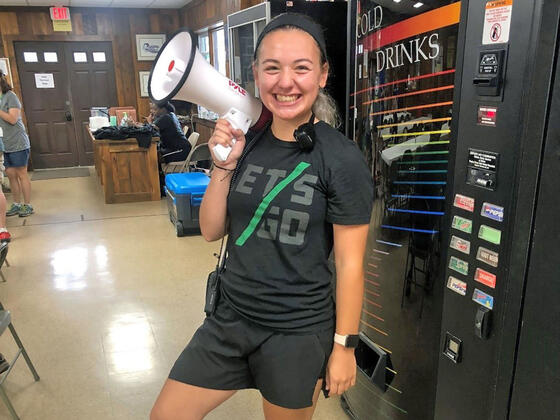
{"x": 68, "y": 116}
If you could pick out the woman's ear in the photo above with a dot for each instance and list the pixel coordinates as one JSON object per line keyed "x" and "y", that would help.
{"x": 255, "y": 73}
{"x": 324, "y": 75}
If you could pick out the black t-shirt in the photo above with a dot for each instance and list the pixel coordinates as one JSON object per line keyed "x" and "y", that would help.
{"x": 282, "y": 205}
{"x": 171, "y": 135}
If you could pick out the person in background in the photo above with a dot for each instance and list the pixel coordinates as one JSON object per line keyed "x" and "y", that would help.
{"x": 16, "y": 150}
{"x": 285, "y": 204}
{"x": 4, "y": 234}
{"x": 173, "y": 146}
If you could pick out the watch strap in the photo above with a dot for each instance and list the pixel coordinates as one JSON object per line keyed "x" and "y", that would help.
{"x": 349, "y": 341}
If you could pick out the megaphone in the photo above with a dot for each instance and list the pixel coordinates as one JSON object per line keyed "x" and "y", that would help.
{"x": 180, "y": 72}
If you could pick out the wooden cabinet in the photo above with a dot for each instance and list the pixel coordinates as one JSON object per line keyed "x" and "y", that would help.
{"x": 127, "y": 172}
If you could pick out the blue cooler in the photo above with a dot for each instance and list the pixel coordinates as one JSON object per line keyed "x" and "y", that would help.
{"x": 184, "y": 193}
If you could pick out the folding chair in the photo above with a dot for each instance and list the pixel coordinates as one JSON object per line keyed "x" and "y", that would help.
{"x": 197, "y": 154}
{"x": 178, "y": 166}
{"x": 6, "y": 322}
{"x": 3, "y": 255}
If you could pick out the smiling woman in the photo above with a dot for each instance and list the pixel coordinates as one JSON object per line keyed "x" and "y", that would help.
{"x": 287, "y": 204}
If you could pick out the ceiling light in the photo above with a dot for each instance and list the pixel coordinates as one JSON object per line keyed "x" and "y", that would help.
{"x": 397, "y": 1}
{"x": 419, "y": 4}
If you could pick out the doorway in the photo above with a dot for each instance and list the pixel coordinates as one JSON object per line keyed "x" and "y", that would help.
{"x": 60, "y": 82}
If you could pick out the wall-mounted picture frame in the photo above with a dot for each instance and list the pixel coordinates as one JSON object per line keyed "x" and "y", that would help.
{"x": 143, "y": 77}
{"x": 5, "y": 68}
{"x": 148, "y": 45}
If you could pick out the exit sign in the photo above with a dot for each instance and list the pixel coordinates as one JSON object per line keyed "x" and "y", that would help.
{"x": 60, "y": 13}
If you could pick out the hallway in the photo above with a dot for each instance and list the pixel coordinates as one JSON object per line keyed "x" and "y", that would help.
{"x": 104, "y": 297}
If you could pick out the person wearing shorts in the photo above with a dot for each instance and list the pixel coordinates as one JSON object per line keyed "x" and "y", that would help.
{"x": 4, "y": 234}
{"x": 285, "y": 203}
{"x": 16, "y": 150}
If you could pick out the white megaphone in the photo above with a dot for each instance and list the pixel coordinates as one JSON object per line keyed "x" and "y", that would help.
{"x": 180, "y": 72}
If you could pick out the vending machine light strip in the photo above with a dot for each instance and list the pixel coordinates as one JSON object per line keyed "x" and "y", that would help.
{"x": 434, "y": 105}
{"x": 393, "y": 388}
{"x": 416, "y": 92}
{"x": 422, "y": 143}
{"x": 409, "y": 229}
{"x": 388, "y": 243}
{"x": 373, "y": 315}
{"x": 386, "y": 350}
{"x": 421, "y": 162}
{"x": 435, "y": 152}
{"x": 372, "y": 282}
{"x": 422, "y": 197}
{"x": 374, "y": 328}
{"x": 420, "y": 182}
{"x": 410, "y": 79}
{"x": 427, "y": 171}
{"x": 416, "y": 133}
{"x": 415, "y": 122}
{"x": 371, "y": 302}
{"x": 436, "y": 213}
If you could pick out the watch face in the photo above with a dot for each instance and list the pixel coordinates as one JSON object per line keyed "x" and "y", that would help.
{"x": 352, "y": 341}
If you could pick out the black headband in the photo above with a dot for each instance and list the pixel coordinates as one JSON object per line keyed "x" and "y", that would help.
{"x": 300, "y": 21}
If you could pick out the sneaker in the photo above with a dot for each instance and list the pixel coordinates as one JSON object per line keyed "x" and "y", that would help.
{"x": 5, "y": 236}
{"x": 26, "y": 210}
{"x": 15, "y": 209}
{"x": 4, "y": 365}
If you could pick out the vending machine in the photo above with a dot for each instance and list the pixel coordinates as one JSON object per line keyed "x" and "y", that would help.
{"x": 455, "y": 107}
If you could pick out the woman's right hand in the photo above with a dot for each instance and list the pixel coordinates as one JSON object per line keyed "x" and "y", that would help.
{"x": 223, "y": 134}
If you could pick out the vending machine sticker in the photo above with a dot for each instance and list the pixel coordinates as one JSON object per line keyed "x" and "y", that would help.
{"x": 486, "y": 278}
{"x": 462, "y": 224}
{"x": 497, "y": 21}
{"x": 457, "y": 285}
{"x": 483, "y": 299}
{"x": 464, "y": 202}
{"x": 459, "y": 265}
{"x": 492, "y": 211}
{"x": 490, "y": 234}
{"x": 487, "y": 256}
{"x": 460, "y": 244}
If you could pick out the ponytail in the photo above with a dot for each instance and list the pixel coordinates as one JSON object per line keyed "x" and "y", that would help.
{"x": 325, "y": 109}
{"x": 4, "y": 85}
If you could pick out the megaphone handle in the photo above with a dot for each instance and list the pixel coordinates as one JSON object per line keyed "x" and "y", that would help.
{"x": 238, "y": 120}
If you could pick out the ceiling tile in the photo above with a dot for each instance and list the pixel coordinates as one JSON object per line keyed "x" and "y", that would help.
{"x": 14, "y": 3}
{"x": 169, "y": 4}
{"x": 131, "y": 3}
{"x": 89, "y": 3}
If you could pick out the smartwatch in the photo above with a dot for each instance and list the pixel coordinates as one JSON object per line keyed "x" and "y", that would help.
{"x": 350, "y": 341}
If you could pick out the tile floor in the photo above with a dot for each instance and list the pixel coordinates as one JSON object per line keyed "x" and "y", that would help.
{"x": 104, "y": 297}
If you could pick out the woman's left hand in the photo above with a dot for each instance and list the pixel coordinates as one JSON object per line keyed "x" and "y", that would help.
{"x": 341, "y": 370}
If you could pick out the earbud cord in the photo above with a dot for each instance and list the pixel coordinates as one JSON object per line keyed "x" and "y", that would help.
{"x": 223, "y": 246}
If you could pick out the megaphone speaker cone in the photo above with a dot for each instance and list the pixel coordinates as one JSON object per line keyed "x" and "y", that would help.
{"x": 181, "y": 72}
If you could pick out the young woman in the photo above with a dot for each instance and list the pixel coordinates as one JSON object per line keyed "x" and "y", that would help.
{"x": 284, "y": 210}
{"x": 174, "y": 146}
{"x": 16, "y": 150}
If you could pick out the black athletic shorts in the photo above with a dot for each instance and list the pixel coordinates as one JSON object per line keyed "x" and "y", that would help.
{"x": 229, "y": 352}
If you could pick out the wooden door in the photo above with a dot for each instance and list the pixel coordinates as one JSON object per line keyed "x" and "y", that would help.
{"x": 46, "y": 102}
{"x": 83, "y": 76}
{"x": 92, "y": 81}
